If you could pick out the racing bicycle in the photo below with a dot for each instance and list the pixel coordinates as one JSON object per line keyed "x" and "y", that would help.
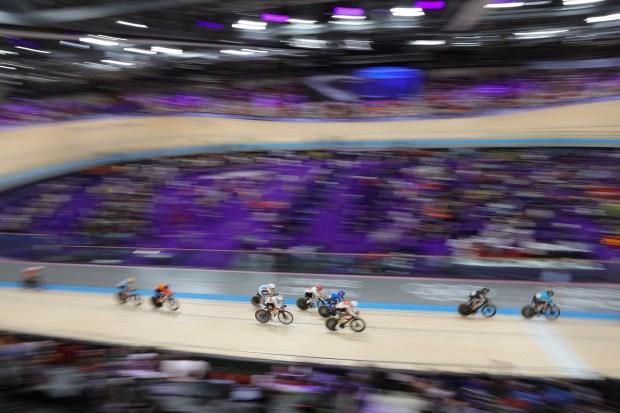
{"x": 357, "y": 324}
{"x": 487, "y": 309}
{"x": 167, "y": 302}
{"x": 552, "y": 312}
{"x": 131, "y": 298}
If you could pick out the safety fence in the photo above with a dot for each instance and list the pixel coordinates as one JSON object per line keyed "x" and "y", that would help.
{"x": 61, "y": 249}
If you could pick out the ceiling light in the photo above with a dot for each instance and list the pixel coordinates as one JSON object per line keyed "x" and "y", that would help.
{"x": 143, "y": 26}
{"x": 100, "y": 42}
{"x": 349, "y": 22}
{"x": 101, "y": 36}
{"x": 607, "y": 18}
{"x": 18, "y": 65}
{"x": 407, "y": 12}
{"x": 8, "y": 67}
{"x": 166, "y": 50}
{"x": 255, "y": 51}
{"x": 301, "y": 21}
{"x": 541, "y": 33}
{"x": 142, "y": 51}
{"x": 249, "y": 25}
{"x": 100, "y": 66}
{"x": 236, "y": 52}
{"x": 503, "y": 5}
{"x": 7, "y": 52}
{"x": 32, "y": 50}
{"x": 309, "y": 43}
{"x": 356, "y": 44}
{"x": 578, "y": 2}
{"x": 76, "y": 45}
{"x": 347, "y": 17}
{"x": 428, "y": 42}
{"x": 466, "y": 44}
{"x": 116, "y": 62}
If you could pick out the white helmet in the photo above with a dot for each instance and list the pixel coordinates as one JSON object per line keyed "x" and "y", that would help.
{"x": 354, "y": 303}
{"x": 272, "y": 286}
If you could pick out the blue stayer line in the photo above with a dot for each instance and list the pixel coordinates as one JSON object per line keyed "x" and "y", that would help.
{"x": 291, "y": 301}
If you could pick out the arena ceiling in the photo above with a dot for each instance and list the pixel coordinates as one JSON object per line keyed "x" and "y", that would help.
{"x": 81, "y": 40}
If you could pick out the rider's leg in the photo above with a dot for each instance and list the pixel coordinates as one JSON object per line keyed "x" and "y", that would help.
{"x": 343, "y": 318}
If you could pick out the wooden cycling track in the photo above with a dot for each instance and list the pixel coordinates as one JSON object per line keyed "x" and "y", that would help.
{"x": 394, "y": 339}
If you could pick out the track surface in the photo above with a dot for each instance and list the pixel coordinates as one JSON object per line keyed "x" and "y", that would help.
{"x": 393, "y": 339}
{"x": 216, "y": 318}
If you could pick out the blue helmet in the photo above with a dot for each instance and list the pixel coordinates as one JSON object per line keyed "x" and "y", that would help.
{"x": 341, "y": 293}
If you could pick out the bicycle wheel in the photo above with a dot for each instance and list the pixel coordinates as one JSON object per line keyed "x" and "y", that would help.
{"x": 302, "y": 304}
{"x": 324, "y": 311}
{"x": 464, "y": 309}
{"x": 488, "y": 310}
{"x": 528, "y": 311}
{"x": 255, "y": 300}
{"x": 552, "y": 313}
{"x": 331, "y": 324}
{"x": 156, "y": 304}
{"x": 135, "y": 299}
{"x": 262, "y": 316}
{"x": 122, "y": 299}
{"x": 358, "y": 325}
{"x": 172, "y": 304}
{"x": 285, "y": 317}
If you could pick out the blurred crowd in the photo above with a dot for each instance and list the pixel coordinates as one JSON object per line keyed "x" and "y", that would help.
{"x": 50, "y": 375}
{"x": 477, "y": 203}
{"x": 442, "y": 95}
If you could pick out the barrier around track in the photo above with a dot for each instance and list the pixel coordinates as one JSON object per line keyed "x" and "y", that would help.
{"x": 566, "y": 266}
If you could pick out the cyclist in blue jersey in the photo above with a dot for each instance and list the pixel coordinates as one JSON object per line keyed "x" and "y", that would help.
{"x": 337, "y": 297}
{"x": 543, "y": 299}
{"x": 127, "y": 286}
{"x": 266, "y": 291}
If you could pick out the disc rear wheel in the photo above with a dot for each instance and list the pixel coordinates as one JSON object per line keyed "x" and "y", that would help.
{"x": 262, "y": 316}
{"x": 302, "y": 304}
{"x": 331, "y": 324}
{"x": 324, "y": 311}
{"x": 528, "y": 311}
{"x": 464, "y": 309}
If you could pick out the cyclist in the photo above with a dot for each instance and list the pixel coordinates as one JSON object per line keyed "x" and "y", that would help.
{"x": 161, "y": 291}
{"x": 337, "y": 297}
{"x": 477, "y": 298}
{"x": 543, "y": 299}
{"x": 127, "y": 286}
{"x": 266, "y": 290}
{"x": 273, "y": 303}
{"x": 31, "y": 275}
{"x": 347, "y": 311}
{"x": 312, "y": 293}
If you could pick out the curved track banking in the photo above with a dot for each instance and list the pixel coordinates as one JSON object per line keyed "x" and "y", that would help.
{"x": 394, "y": 339}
